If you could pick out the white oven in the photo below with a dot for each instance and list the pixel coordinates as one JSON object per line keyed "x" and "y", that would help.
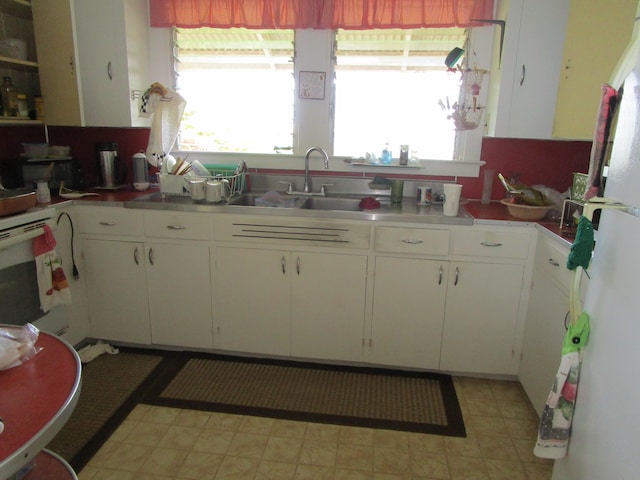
{"x": 19, "y": 299}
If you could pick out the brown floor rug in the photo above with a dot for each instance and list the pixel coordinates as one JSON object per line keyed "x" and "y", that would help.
{"x": 370, "y": 397}
{"x": 111, "y": 386}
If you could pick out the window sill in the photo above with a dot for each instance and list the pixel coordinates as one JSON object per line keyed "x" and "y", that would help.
{"x": 283, "y": 162}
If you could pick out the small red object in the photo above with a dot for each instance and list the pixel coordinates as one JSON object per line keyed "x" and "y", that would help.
{"x": 369, "y": 203}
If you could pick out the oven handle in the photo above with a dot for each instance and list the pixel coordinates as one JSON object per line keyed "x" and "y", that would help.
{"x": 23, "y": 237}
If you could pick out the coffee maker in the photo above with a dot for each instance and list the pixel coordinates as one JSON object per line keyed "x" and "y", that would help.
{"x": 111, "y": 171}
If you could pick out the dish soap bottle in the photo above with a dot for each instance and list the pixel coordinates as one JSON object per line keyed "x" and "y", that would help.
{"x": 9, "y": 98}
{"x": 386, "y": 155}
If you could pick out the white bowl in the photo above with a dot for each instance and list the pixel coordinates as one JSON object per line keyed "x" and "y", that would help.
{"x": 141, "y": 186}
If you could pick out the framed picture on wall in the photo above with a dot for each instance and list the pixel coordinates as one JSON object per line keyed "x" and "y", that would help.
{"x": 312, "y": 85}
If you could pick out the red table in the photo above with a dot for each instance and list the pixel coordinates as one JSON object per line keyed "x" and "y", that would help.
{"x": 36, "y": 400}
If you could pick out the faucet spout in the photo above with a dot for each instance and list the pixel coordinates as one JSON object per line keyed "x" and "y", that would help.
{"x": 307, "y": 176}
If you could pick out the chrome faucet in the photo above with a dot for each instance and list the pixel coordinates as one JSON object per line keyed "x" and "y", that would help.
{"x": 307, "y": 177}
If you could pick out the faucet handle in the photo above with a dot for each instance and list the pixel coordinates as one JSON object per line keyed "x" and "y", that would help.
{"x": 289, "y": 186}
{"x": 323, "y": 190}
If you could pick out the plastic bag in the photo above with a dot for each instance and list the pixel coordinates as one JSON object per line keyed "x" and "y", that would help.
{"x": 17, "y": 345}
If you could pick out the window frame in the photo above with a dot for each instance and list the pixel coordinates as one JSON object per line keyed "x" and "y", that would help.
{"x": 313, "y": 122}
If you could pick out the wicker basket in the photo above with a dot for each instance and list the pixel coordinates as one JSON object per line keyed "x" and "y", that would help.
{"x": 526, "y": 212}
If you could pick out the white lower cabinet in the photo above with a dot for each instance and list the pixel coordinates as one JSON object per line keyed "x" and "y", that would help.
{"x": 280, "y": 302}
{"x": 148, "y": 276}
{"x": 481, "y": 317}
{"x": 179, "y": 295}
{"x": 408, "y": 312}
{"x": 547, "y": 315}
{"x": 117, "y": 290}
{"x": 251, "y": 295}
{"x": 327, "y": 305}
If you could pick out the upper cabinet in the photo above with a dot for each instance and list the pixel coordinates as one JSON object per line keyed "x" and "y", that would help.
{"x": 597, "y": 34}
{"x": 93, "y": 56}
{"x": 555, "y": 56}
{"x": 524, "y": 81}
{"x": 18, "y": 53}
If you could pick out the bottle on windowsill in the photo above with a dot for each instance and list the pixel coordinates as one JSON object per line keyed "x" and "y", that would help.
{"x": 386, "y": 155}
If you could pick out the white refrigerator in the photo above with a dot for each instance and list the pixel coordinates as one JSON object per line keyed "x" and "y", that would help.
{"x": 605, "y": 438}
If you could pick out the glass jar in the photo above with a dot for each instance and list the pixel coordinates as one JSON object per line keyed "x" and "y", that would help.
{"x": 9, "y": 98}
{"x": 23, "y": 106}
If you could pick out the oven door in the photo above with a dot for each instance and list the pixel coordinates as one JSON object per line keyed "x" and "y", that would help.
{"x": 19, "y": 299}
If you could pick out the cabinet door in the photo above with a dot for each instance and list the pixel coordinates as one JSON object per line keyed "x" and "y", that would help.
{"x": 327, "y": 305}
{"x": 117, "y": 291}
{"x": 180, "y": 309}
{"x": 57, "y": 61}
{"x": 252, "y": 297}
{"x": 483, "y": 301}
{"x": 530, "y": 68}
{"x": 408, "y": 312}
{"x": 543, "y": 337}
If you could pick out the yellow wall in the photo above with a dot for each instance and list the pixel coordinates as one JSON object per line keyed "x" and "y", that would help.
{"x": 597, "y": 33}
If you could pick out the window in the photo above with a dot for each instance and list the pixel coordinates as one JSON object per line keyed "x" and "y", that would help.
{"x": 239, "y": 88}
{"x": 390, "y": 85}
{"x": 393, "y": 86}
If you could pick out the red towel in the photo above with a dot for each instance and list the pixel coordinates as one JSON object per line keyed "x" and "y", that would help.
{"x": 52, "y": 282}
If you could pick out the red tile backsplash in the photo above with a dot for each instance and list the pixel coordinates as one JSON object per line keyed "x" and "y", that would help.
{"x": 533, "y": 162}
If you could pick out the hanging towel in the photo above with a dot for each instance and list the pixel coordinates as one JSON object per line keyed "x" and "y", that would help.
{"x": 52, "y": 282}
{"x": 166, "y": 107}
{"x": 555, "y": 422}
{"x": 608, "y": 102}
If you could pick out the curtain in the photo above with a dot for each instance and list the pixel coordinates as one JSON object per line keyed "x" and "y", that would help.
{"x": 318, "y": 14}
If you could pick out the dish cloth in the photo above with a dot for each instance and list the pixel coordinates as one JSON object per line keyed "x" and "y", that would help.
{"x": 555, "y": 422}
{"x": 369, "y": 203}
{"x": 166, "y": 107}
{"x": 53, "y": 287}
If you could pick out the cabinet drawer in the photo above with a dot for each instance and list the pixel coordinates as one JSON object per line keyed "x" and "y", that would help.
{"x": 412, "y": 240}
{"x": 110, "y": 221}
{"x": 263, "y": 230}
{"x": 492, "y": 243}
{"x": 177, "y": 225}
{"x": 551, "y": 259}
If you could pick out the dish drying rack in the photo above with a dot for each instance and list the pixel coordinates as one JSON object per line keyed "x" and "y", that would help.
{"x": 178, "y": 185}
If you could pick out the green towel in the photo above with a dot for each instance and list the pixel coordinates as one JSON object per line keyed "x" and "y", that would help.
{"x": 580, "y": 254}
{"x": 577, "y": 335}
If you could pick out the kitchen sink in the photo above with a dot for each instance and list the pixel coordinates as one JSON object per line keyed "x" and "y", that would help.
{"x": 249, "y": 200}
{"x": 308, "y": 203}
{"x": 332, "y": 203}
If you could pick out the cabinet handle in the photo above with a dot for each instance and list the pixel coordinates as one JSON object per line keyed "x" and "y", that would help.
{"x": 108, "y": 224}
{"x": 109, "y": 70}
{"x": 490, "y": 244}
{"x": 566, "y": 320}
{"x": 176, "y": 227}
{"x": 553, "y": 262}
{"x": 151, "y": 256}
{"x": 298, "y": 265}
{"x": 440, "y": 273}
{"x": 523, "y": 74}
{"x": 455, "y": 282}
{"x": 283, "y": 263}
{"x": 135, "y": 256}
{"x": 412, "y": 242}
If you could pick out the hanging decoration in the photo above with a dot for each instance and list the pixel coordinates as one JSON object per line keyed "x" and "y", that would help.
{"x": 467, "y": 112}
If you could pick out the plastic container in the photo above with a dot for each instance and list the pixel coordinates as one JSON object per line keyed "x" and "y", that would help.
{"x": 35, "y": 149}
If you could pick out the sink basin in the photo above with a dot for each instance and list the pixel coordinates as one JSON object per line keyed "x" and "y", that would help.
{"x": 249, "y": 200}
{"x": 332, "y": 203}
